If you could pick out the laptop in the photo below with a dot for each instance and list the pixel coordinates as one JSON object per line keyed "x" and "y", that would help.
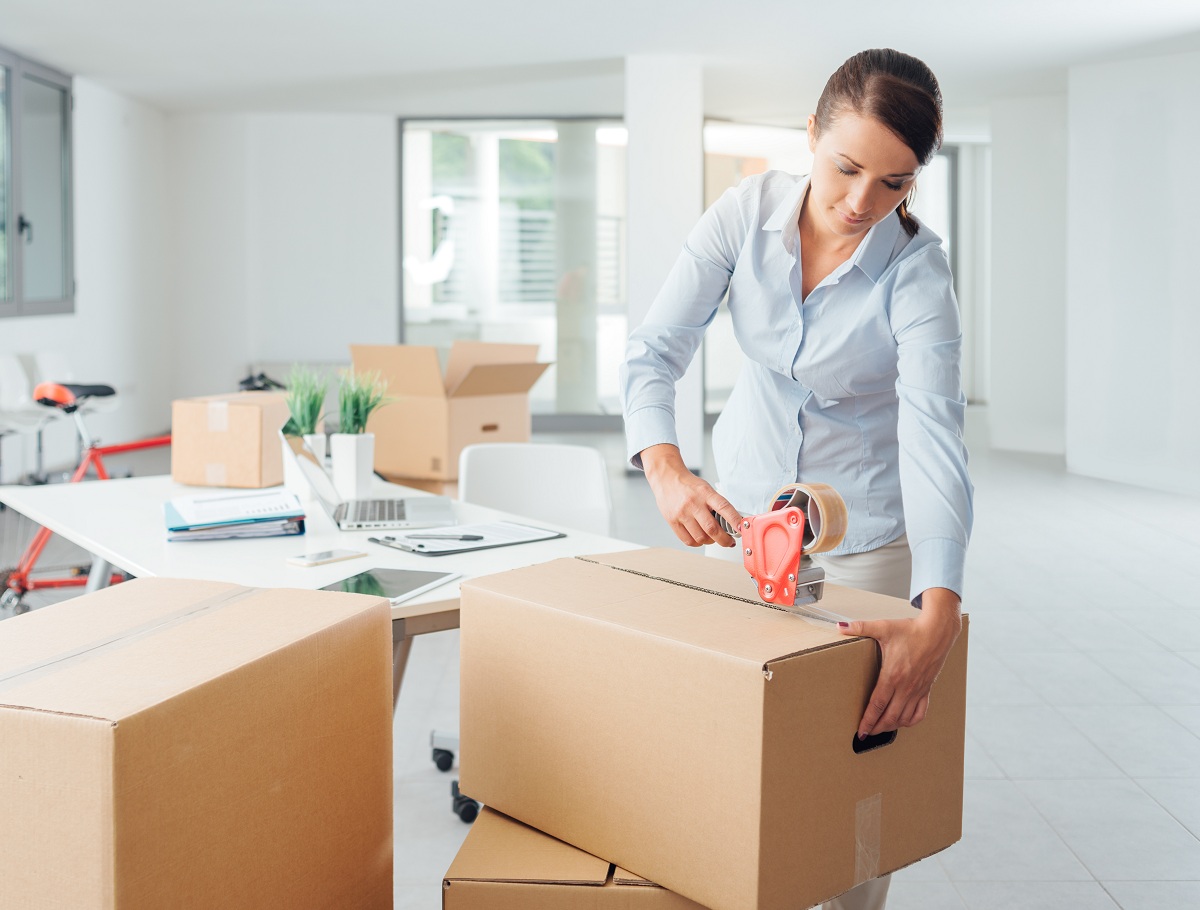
{"x": 365, "y": 514}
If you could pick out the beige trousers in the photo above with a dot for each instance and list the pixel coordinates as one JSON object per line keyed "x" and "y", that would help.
{"x": 886, "y": 570}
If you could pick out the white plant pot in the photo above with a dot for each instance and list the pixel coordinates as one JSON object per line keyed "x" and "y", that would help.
{"x": 316, "y": 442}
{"x": 353, "y": 456}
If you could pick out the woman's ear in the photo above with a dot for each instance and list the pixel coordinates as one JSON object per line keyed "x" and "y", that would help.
{"x": 812, "y": 132}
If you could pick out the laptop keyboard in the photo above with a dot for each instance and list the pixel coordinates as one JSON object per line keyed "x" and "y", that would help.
{"x": 376, "y": 510}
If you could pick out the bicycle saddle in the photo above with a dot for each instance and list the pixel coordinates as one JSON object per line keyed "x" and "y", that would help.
{"x": 68, "y": 395}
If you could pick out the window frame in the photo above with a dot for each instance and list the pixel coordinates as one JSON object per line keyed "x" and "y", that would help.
{"x": 15, "y": 304}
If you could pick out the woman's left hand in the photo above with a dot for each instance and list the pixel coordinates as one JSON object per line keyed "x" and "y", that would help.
{"x": 913, "y": 652}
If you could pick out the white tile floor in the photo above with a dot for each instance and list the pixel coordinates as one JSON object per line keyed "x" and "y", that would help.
{"x": 1083, "y": 746}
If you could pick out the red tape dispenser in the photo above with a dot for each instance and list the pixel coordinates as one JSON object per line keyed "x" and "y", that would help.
{"x": 804, "y": 518}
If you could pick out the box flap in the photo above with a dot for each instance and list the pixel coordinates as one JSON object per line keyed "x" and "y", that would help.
{"x": 500, "y": 849}
{"x": 743, "y": 629}
{"x": 499, "y": 379}
{"x": 625, "y": 877}
{"x": 467, "y": 354}
{"x": 124, "y": 649}
{"x": 408, "y": 370}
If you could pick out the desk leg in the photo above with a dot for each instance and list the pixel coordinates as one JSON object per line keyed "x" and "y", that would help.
{"x": 400, "y": 649}
{"x": 100, "y": 574}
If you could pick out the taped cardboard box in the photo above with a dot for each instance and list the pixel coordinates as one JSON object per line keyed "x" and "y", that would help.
{"x": 505, "y": 865}
{"x": 484, "y": 397}
{"x": 228, "y": 440}
{"x": 646, "y": 707}
{"x": 187, "y": 744}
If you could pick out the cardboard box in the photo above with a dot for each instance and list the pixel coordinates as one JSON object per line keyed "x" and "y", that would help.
{"x": 484, "y": 397}
{"x": 447, "y": 488}
{"x": 228, "y": 440}
{"x": 505, "y": 865}
{"x": 187, "y": 744}
{"x": 646, "y": 707}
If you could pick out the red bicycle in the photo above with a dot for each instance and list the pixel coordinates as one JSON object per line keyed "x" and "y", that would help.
{"x": 70, "y": 398}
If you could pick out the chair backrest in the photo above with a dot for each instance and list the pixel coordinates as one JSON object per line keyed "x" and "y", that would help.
{"x": 561, "y": 484}
{"x": 15, "y": 391}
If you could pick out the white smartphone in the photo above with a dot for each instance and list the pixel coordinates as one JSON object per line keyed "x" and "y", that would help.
{"x": 319, "y": 559}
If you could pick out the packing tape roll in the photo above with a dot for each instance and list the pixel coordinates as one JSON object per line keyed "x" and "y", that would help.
{"x": 825, "y": 515}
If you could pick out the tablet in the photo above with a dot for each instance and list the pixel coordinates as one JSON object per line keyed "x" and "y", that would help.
{"x": 397, "y": 585}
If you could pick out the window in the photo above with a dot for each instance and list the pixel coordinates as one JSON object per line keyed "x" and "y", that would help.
{"x": 36, "y": 250}
{"x": 514, "y": 231}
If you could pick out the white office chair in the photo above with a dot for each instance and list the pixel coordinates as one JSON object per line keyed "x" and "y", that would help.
{"x": 561, "y": 484}
{"x": 19, "y": 413}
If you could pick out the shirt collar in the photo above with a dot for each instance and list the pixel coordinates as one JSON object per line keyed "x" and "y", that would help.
{"x": 872, "y": 255}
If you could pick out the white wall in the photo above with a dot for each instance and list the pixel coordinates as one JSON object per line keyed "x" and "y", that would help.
{"x": 120, "y": 331}
{"x": 285, "y": 245}
{"x": 1133, "y": 412}
{"x": 1027, "y": 307}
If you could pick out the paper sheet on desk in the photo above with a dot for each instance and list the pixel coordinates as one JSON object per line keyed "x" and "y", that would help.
{"x": 494, "y": 534}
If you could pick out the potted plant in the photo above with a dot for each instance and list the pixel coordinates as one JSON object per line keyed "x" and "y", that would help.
{"x": 352, "y": 448}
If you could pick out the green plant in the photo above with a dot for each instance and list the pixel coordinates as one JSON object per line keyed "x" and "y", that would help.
{"x": 359, "y": 394}
{"x": 305, "y": 397}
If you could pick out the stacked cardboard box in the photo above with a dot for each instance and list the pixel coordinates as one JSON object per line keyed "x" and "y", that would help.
{"x": 483, "y": 397}
{"x": 505, "y": 865}
{"x": 648, "y": 709}
{"x": 186, "y": 744}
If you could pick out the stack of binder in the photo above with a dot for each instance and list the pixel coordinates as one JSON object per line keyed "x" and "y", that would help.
{"x": 221, "y": 516}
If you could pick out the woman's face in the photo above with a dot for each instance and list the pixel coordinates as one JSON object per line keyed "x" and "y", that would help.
{"x": 861, "y": 172}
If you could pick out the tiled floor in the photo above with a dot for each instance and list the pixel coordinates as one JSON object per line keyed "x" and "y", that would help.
{"x": 1083, "y": 745}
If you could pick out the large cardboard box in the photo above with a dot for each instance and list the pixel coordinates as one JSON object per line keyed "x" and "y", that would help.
{"x": 228, "y": 440}
{"x": 646, "y": 707}
{"x": 505, "y": 865}
{"x": 187, "y": 744}
{"x": 484, "y": 397}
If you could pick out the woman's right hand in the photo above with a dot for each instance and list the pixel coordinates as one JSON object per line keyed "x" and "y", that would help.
{"x": 685, "y": 500}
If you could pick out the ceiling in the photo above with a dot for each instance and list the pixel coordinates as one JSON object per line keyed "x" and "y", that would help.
{"x": 763, "y": 60}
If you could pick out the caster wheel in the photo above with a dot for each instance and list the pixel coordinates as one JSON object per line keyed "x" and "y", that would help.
{"x": 464, "y": 807}
{"x": 444, "y": 759}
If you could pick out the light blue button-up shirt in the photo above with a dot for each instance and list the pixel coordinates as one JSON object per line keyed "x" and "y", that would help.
{"x": 857, "y": 386}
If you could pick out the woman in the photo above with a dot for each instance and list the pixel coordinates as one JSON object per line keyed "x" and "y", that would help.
{"x": 844, "y": 307}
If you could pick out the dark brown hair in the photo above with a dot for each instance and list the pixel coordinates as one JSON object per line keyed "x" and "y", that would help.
{"x": 900, "y": 92}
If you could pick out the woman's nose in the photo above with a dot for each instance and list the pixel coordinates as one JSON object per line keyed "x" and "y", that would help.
{"x": 859, "y": 198}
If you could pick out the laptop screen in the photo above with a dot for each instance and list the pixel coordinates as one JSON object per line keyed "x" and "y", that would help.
{"x": 322, "y": 484}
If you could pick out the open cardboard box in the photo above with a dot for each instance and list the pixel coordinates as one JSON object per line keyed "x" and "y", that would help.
{"x": 484, "y": 397}
{"x": 505, "y": 865}
{"x": 647, "y": 708}
{"x": 192, "y": 744}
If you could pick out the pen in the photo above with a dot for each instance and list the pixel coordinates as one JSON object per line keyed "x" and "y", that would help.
{"x": 444, "y": 536}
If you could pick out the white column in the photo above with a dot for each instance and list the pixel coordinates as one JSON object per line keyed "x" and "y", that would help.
{"x": 664, "y": 113}
{"x": 575, "y": 267}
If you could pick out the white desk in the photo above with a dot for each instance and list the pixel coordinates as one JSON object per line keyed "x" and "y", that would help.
{"x": 121, "y": 522}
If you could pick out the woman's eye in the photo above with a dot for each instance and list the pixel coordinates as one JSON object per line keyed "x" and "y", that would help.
{"x": 893, "y": 186}
{"x": 842, "y": 170}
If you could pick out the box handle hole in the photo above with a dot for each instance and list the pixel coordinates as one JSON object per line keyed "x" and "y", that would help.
{"x": 874, "y": 741}
{"x": 490, "y": 427}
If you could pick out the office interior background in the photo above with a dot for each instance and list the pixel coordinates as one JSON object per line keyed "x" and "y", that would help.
{"x": 251, "y": 186}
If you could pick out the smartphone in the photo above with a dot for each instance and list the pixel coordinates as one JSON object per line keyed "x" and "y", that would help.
{"x": 319, "y": 559}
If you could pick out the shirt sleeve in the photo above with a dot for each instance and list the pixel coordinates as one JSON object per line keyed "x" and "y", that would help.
{"x": 936, "y": 489}
{"x": 660, "y": 350}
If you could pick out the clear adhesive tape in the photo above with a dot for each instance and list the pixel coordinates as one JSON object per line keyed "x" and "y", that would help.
{"x": 825, "y": 515}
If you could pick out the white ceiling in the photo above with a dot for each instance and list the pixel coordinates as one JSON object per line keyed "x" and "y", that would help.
{"x": 763, "y": 60}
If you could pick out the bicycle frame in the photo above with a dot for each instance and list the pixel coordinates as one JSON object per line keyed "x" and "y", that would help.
{"x": 19, "y": 581}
